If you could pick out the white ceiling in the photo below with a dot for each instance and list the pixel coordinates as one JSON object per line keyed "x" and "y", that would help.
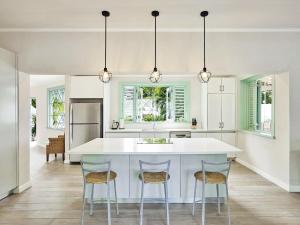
{"x": 135, "y": 14}
{"x": 42, "y": 80}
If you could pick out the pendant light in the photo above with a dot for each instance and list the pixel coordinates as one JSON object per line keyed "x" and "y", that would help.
{"x": 204, "y": 74}
{"x": 155, "y": 76}
{"x": 105, "y": 75}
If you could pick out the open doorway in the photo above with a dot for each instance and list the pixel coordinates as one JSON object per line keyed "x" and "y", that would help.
{"x": 47, "y": 104}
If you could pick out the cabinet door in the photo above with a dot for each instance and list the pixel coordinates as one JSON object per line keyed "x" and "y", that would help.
{"x": 215, "y": 135}
{"x": 229, "y": 138}
{"x": 198, "y": 135}
{"x": 214, "y": 85}
{"x": 214, "y": 104}
{"x": 86, "y": 87}
{"x": 228, "y": 111}
{"x": 229, "y": 85}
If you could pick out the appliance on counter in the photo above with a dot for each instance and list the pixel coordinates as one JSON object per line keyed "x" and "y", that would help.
{"x": 115, "y": 125}
{"x": 86, "y": 122}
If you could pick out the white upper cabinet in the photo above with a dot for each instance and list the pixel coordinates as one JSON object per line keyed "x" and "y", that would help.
{"x": 214, "y": 85}
{"x": 226, "y": 85}
{"x": 86, "y": 87}
{"x": 228, "y": 111}
{"x": 214, "y": 111}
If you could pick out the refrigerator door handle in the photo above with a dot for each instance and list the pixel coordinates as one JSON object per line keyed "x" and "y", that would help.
{"x": 71, "y": 122}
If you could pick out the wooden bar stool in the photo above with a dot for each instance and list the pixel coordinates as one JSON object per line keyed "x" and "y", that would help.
{"x": 98, "y": 173}
{"x": 154, "y": 173}
{"x": 212, "y": 173}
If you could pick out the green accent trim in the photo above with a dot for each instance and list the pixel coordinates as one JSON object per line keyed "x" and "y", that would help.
{"x": 48, "y": 104}
{"x": 185, "y": 84}
{"x": 245, "y": 87}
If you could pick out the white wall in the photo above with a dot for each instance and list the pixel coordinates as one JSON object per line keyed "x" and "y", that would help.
{"x": 195, "y": 104}
{"x": 42, "y": 131}
{"x": 271, "y": 157}
{"x": 24, "y": 132}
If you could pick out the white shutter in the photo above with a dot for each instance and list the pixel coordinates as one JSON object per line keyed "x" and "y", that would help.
{"x": 128, "y": 103}
{"x": 180, "y": 112}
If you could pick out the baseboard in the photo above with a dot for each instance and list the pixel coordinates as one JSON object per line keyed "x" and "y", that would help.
{"x": 265, "y": 175}
{"x": 23, "y": 187}
{"x": 41, "y": 145}
{"x": 294, "y": 188}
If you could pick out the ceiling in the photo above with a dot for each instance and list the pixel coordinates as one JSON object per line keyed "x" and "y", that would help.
{"x": 42, "y": 80}
{"x": 133, "y": 15}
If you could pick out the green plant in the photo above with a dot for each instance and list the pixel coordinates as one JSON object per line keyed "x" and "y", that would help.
{"x": 58, "y": 109}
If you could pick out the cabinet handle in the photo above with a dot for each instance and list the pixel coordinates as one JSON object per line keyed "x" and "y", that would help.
{"x": 220, "y": 124}
{"x": 220, "y": 89}
{"x": 223, "y": 88}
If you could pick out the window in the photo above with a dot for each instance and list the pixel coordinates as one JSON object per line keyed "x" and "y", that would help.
{"x": 56, "y": 108}
{"x": 257, "y": 105}
{"x": 144, "y": 103}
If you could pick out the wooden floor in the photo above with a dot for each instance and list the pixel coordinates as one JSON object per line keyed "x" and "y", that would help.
{"x": 55, "y": 199}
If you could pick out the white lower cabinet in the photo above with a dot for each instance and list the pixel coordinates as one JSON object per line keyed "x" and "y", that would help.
{"x": 229, "y": 138}
{"x": 121, "y": 135}
{"x": 215, "y": 135}
{"x": 198, "y": 135}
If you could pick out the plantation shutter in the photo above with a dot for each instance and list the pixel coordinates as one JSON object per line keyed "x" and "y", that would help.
{"x": 180, "y": 110}
{"x": 252, "y": 105}
{"x": 128, "y": 103}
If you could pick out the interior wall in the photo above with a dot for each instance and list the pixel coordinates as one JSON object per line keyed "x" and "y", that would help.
{"x": 267, "y": 156}
{"x": 42, "y": 131}
{"x": 24, "y": 132}
{"x": 195, "y": 105}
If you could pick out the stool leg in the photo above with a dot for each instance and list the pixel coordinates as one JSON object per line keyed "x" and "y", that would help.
{"x": 83, "y": 204}
{"x": 194, "y": 202}
{"x": 116, "y": 197}
{"x": 142, "y": 204}
{"x": 108, "y": 205}
{"x": 203, "y": 203}
{"x": 92, "y": 200}
{"x": 228, "y": 205}
{"x": 167, "y": 202}
{"x": 218, "y": 198}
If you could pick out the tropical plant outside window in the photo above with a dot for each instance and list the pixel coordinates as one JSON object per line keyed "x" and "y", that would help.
{"x": 56, "y": 108}
{"x": 145, "y": 103}
{"x": 33, "y": 119}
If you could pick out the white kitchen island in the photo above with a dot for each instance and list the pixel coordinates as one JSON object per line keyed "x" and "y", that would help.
{"x": 185, "y": 155}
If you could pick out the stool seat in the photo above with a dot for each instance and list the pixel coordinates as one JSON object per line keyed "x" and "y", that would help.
{"x": 99, "y": 177}
{"x": 211, "y": 177}
{"x": 154, "y": 177}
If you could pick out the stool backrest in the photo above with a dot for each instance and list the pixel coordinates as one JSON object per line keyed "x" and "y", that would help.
{"x": 220, "y": 167}
{"x": 89, "y": 167}
{"x": 154, "y": 167}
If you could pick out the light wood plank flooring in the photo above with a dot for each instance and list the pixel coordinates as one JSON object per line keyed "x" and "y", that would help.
{"x": 55, "y": 199}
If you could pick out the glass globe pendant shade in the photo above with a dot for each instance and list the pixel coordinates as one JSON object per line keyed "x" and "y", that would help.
{"x": 105, "y": 75}
{"x": 155, "y": 76}
{"x": 204, "y": 75}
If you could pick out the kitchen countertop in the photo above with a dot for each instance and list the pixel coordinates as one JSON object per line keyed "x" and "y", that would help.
{"x": 163, "y": 130}
{"x": 130, "y": 146}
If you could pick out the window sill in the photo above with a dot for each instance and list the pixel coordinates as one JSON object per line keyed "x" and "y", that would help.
{"x": 57, "y": 129}
{"x": 261, "y": 134}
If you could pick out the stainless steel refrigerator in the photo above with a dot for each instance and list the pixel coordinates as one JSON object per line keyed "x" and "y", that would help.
{"x": 86, "y": 122}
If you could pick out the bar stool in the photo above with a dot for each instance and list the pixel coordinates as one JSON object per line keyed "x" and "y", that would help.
{"x": 212, "y": 173}
{"x": 154, "y": 173}
{"x": 98, "y": 173}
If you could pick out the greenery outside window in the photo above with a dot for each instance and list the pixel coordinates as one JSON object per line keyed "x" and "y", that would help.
{"x": 257, "y": 105}
{"x": 56, "y": 108}
{"x": 147, "y": 102}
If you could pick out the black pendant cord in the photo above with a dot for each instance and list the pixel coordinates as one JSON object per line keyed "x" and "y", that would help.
{"x": 204, "y": 43}
{"x": 155, "y": 44}
{"x": 105, "y": 41}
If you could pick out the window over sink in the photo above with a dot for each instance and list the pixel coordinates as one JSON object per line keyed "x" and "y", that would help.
{"x": 157, "y": 102}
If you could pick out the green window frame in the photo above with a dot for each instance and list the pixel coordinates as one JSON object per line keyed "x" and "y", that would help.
{"x": 56, "y": 108}
{"x": 257, "y": 105}
{"x": 182, "y": 93}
